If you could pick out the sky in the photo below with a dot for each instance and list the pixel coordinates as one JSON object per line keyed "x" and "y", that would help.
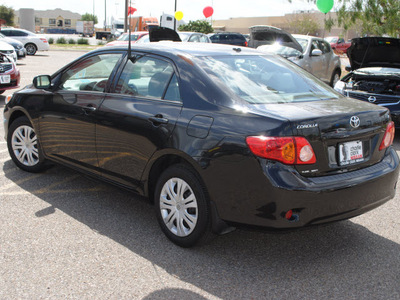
{"x": 191, "y": 9}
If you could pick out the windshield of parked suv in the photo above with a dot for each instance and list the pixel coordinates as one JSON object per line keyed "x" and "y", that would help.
{"x": 331, "y": 39}
{"x": 280, "y": 49}
{"x": 303, "y": 43}
{"x": 265, "y": 79}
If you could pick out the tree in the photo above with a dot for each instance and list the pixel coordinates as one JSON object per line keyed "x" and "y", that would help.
{"x": 375, "y": 17}
{"x": 197, "y": 26}
{"x": 303, "y": 25}
{"x": 89, "y": 17}
{"x": 7, "y": 14}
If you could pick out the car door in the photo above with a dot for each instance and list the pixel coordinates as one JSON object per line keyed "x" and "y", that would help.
{"x": 137, "y": 118}
{"x": 68, "y": 125}
{"x": 318, "y": 62}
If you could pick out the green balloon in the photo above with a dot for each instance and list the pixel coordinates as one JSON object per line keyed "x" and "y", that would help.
{"x": 324, "y": 5}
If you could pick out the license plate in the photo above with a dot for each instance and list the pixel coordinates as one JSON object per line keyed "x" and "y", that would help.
{"x": 5, "y": 79}
{"x": 350, "y": 153}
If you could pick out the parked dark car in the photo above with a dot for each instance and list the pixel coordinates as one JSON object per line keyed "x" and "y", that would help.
{"x": 375, "y": 73}
{"x": 230, "y": 38}
{"x": 214, "y": 135}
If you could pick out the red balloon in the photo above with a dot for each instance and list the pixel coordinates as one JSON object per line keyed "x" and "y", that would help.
{"x": 208, "y": 11}
{"x": 131, "y": 10}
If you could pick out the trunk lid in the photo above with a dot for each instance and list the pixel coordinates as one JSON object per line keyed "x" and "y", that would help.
{"x": 345, "y": 134}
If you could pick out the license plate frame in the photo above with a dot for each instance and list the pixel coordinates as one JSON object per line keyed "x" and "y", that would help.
{"x": 351, "y": 153}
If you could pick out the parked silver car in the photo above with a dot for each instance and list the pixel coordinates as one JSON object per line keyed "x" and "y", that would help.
{"x": 317, "y": 57}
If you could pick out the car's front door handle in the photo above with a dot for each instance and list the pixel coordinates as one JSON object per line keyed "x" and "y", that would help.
{"x": 88, "y": 109}
{"x": 158, "y": 120}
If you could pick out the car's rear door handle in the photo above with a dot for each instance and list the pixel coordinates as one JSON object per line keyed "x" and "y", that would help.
{"x": 158, "y": 120}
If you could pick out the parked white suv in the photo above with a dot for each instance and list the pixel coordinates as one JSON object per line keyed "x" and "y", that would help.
{"x": 31, "y": 41}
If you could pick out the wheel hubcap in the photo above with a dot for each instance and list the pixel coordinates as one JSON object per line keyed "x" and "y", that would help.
{"x": 178, "y": 207}
{"x": 24, "y": 145}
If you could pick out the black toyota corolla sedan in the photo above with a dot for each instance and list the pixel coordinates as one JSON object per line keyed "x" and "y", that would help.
{"x": 214, "y": 135}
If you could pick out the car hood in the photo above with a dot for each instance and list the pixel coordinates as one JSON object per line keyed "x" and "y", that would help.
{"x": 163, "y": 34}
{"x": 277, "y": 35}
{"x": 5, "y": 46}
{"x": 374, "y": 52}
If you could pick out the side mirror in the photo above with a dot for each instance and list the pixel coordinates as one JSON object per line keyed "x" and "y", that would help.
{"x": 42, "y": 82}
{"x": 348, "y": 68}
{"x": 316, "y": 52}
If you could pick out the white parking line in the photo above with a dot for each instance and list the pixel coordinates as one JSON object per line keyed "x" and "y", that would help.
{"x": 3, "y": 150}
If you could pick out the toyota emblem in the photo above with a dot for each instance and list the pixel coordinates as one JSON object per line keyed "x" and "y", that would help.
{"x": 354, "y": 121}
{"x": 372, "y": 99}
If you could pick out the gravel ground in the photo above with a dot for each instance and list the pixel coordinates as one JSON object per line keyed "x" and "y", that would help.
{"x": 63, "y": 235}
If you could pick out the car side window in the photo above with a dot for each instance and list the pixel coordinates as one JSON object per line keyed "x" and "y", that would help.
{"x": 90, "y": 74}
{"x": 324, "y": 47}
{"x": 149, "y": 77}
{"x": 19, "y": 33}
{"x": 314, "y": 45}
{"x": 214, "y": 38}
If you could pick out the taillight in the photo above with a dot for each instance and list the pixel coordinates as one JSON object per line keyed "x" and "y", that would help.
{"x": 288, "y": 150}
{"x": 388, "y": 137}
{"x": 246, "y": 44}
{"x": 44, "y": 40}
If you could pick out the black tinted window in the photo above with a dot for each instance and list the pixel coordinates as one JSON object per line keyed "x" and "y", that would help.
{"x": 149, "y": 77}
{"x": 18, "y": 33}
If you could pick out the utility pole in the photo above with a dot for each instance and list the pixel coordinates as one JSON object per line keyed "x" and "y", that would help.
{"x": 105, "y": 15}
{"x": 174, "y": 17}
{"x": 126, "y": 17}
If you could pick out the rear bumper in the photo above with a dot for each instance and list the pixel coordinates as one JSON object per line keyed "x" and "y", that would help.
{"x": 313, "y": 200}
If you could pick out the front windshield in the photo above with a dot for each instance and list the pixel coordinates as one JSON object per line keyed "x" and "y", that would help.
{"x": 264, "y": 79}
{"x": 184, "y": 36}
{"x": 125, "y": 37}
{"x": 280, "y": 49}
{"x": 331, "y": 39}
{"x": 144, "y": 39}
{"x": 303, "y": 43}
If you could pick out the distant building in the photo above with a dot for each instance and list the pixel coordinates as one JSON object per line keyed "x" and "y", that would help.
{"x": 50, "y": 21}
{"x": 284, "y": 22}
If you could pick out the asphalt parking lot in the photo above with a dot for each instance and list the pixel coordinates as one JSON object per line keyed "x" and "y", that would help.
{"x": 63, "y": 235}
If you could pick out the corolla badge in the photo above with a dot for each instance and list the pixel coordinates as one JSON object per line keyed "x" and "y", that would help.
{"x": 372, "y": 99}
{"x": 354, "y": 121}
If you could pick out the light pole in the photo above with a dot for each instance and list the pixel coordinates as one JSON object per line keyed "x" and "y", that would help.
{"x": 174, "y": 17}
{"x": 105, "y": 15}
{"x": 126, "y": 17}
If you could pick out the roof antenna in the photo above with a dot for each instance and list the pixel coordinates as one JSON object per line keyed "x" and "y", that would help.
{"x": 129, "y": 32}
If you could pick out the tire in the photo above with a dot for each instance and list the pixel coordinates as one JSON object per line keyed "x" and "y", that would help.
{"x": 30, "y": 49}
{"x": 24, "y": 147}
{"x": 335, "y": 78}
{"x": 182, "y": 206}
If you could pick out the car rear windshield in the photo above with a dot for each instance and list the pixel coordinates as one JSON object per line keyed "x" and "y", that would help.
{"x": 265, "y": 79}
